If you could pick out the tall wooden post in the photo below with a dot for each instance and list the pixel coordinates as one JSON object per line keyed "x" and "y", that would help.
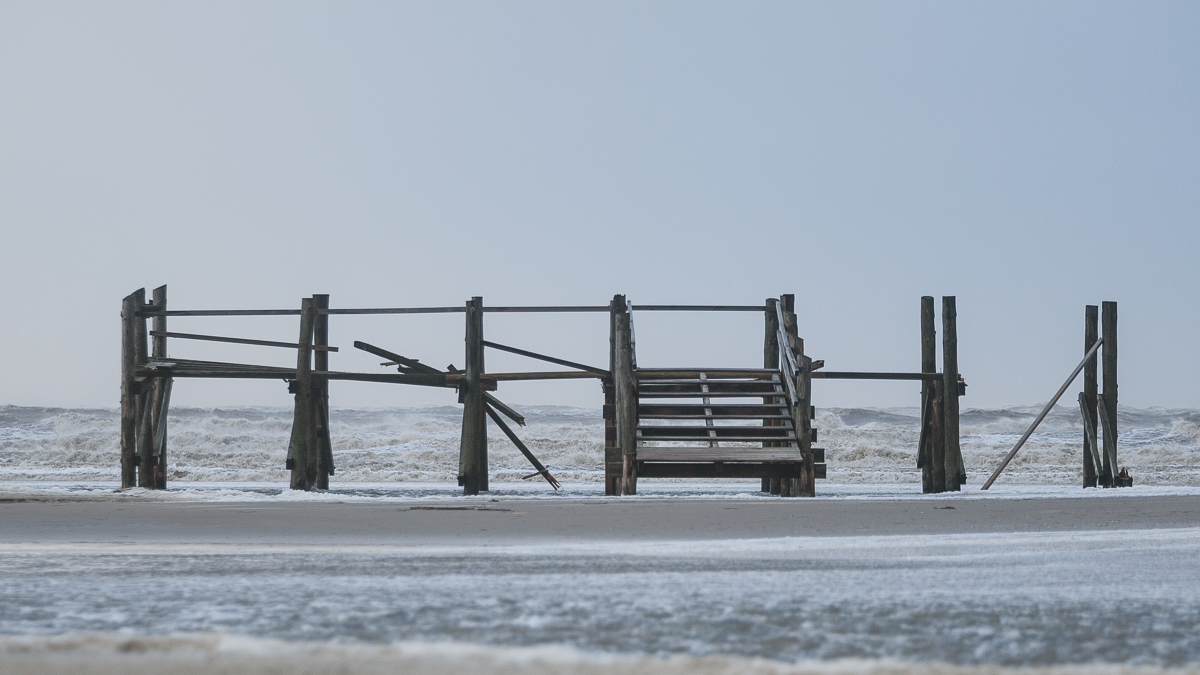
{"x": 626, "y": 395}
{"x": 955, "y": 474}
{"x": 1090, "y": 335}
{"x": 928, "y": 365}
{"x": 162, "y": 391}
{"x": 1108, "y": 320}
{"x": 613, "y": 461}
{"x": 321, "y": 391}
{"x": 129, "y": 391}
{"x": 145, "y": 398}
{"x": 302, "y": 449}
{"x": 473, "y": 447}
{"x": 770, "y": 359}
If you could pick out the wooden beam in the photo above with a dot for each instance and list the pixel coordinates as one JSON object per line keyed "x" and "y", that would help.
{"x": 302, "y": 451}
{"x": 321, "y": 351}
{"x": 1091, "y": 333}
{"x": 847, "y": 375}
{"x": 129, "y": 387}
{"x": 541, "y": 470}
{"x": 928, "y": 367}
{"x": 1108, "y": 321}
{"x": 699, "y": 308}
{"x": 473, "y": 459}
{"x": 402, "y": 360}
{"x": 549, "y": 359}
{"x": 956, "y": 473}
{"x": 626, "y": 395}
{"x": 240, "y": 341}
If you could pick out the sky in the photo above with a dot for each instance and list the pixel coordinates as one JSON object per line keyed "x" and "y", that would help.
{"x": 1028, "y": 158}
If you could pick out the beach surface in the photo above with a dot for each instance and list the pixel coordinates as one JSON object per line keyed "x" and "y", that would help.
{"x": 483, "y": 521}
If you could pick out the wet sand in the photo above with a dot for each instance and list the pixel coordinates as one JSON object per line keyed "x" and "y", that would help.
{"x": 511, "y": 521}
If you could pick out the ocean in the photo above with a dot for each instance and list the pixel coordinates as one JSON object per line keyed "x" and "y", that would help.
{"x": 796, "y": 604}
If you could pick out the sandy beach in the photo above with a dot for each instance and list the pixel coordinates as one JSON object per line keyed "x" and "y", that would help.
{"x": 504, "y": 522}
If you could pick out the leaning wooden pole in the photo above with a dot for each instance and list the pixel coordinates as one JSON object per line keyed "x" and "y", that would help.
{"x": 473, "y": 458}
{"x": 954, "y": 469}
{"x": 626, "y": 395}
{"x": 928, "y": 365}
{"x": 302, "y": 449}
{"x": 129, "y": 391}
{"x": 770, "y": 360}
{"x": 1108, "y": 321}
{"x": 320, "y": 393}
{"x": 1091, "y": 333}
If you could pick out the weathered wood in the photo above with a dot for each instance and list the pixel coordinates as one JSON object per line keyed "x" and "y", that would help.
{"x": 699, "y": 308}
{"x": 1088, "y": 413}
{"x": 1091, "y": 453}
{"x": 412, "y": 364}
{"x": 726, "y": 454}
{"x": 770, "y": 360}
{"x": 473, "y": 459}
{"x": 143, "y": 398}
{"x": 512, "y": 436}
{"x": 548, "y": 375}
{"x": 320, "y": 389}
{"x": 1108, "y": 321}
{"x": 163, "y": 335}
{"x": 302, "y": 450}
{"x": 846, "y": 375}
{"x": 503, "y": 407}
{"x": 158, "y": 350}
{"x": 769, "y": 471}
{"x": 624, "y": 380}
{"x": 1042, "y": 415}
{"x": 549, "y": 359}
{"x": 548, "y": 309}
{"x": 955, "y": 471}
{"x": 928, "y": 367}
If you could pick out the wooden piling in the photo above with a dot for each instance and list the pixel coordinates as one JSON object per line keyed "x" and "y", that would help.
{"x": 626, "y": 396}
{"x": 145, "y": 397}
{"x": 302, "y": 450}
{"x": 129, "y": 391}
{"x": 321, "y": 392}
{"x": 613, "y": 462}
{"x": 158, "y": 349}
{"x": 955, "y": 474}
{"x": 1090, "y": 335}
{"x": 928, "y": 365}
{"x": 473, "y": 458}
{"x": 770, "y": 359}
{"x": 1108, "y": 320}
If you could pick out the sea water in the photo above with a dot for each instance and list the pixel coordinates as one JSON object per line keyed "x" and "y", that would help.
{"x": 1045, "y": 599}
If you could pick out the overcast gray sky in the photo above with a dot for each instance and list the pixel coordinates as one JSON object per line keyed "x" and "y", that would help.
{"x": 1027, "y": 157}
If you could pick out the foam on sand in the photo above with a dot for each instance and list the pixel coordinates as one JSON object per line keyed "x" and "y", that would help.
{"x": 186, "y": 654}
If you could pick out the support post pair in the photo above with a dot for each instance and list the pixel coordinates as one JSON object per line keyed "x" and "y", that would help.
{"x": 144, "y": 401}
{"x": 310, "y": 450}
{"x": 1100, "y": 409}
{"x": 939, "y": 453}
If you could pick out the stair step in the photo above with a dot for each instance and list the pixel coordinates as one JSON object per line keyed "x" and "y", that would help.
{"x": 710, "y": 394}
{"x": 644, "y": 374}
{"x": 714, "y": 416}
{"x": 747, "y": 409}
{"x": 726, "y": 455}
{"x": 715, "y": 386}
{"x": 755, "y": 433}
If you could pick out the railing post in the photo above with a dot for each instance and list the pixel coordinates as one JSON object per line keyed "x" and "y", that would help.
{"x": 129, "y": 391}
{"x": 145, "y": 399}
{"x": 626, "y": 396}
{"x": 302, "y": 448}
{"x": 955, "y": 475}
{"x": 613, "y": 461}
{"x": 321, "y": 392}
{"x": 925, "y": 459}
{"x": 473, "y": 458}
{"x": 770, "y": 360}
{"x": 162, "y": 392}
{"x": 1108, "y": 319}
{"x": 1090, "y": 335}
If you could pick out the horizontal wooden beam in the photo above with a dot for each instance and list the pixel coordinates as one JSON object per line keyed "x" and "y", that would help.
{"x": 414, "y": 364}
{"x": 718, "y": 470}
{"x": 238, "y": 341}
{"x": 565, "y": 308}
{"x": 220, "y": 312}
{"x": 836, "y": 375}
{"x": 394, "y": 310}
{"x": 699, "y": 308}
{"x": 503, "y": 377}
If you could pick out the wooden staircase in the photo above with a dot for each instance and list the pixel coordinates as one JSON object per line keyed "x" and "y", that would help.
{"x": 717, "y": 424}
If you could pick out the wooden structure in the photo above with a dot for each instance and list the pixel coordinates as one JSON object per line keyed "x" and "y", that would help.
{"x": 716, "y": 422}
{"x": 1099, "y": 459}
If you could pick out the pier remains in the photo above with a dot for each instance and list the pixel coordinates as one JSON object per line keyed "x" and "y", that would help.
{"x": 697, "y": 422}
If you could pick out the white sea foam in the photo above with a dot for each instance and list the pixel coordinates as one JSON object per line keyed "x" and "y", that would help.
{"x": 420, "y": 445}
